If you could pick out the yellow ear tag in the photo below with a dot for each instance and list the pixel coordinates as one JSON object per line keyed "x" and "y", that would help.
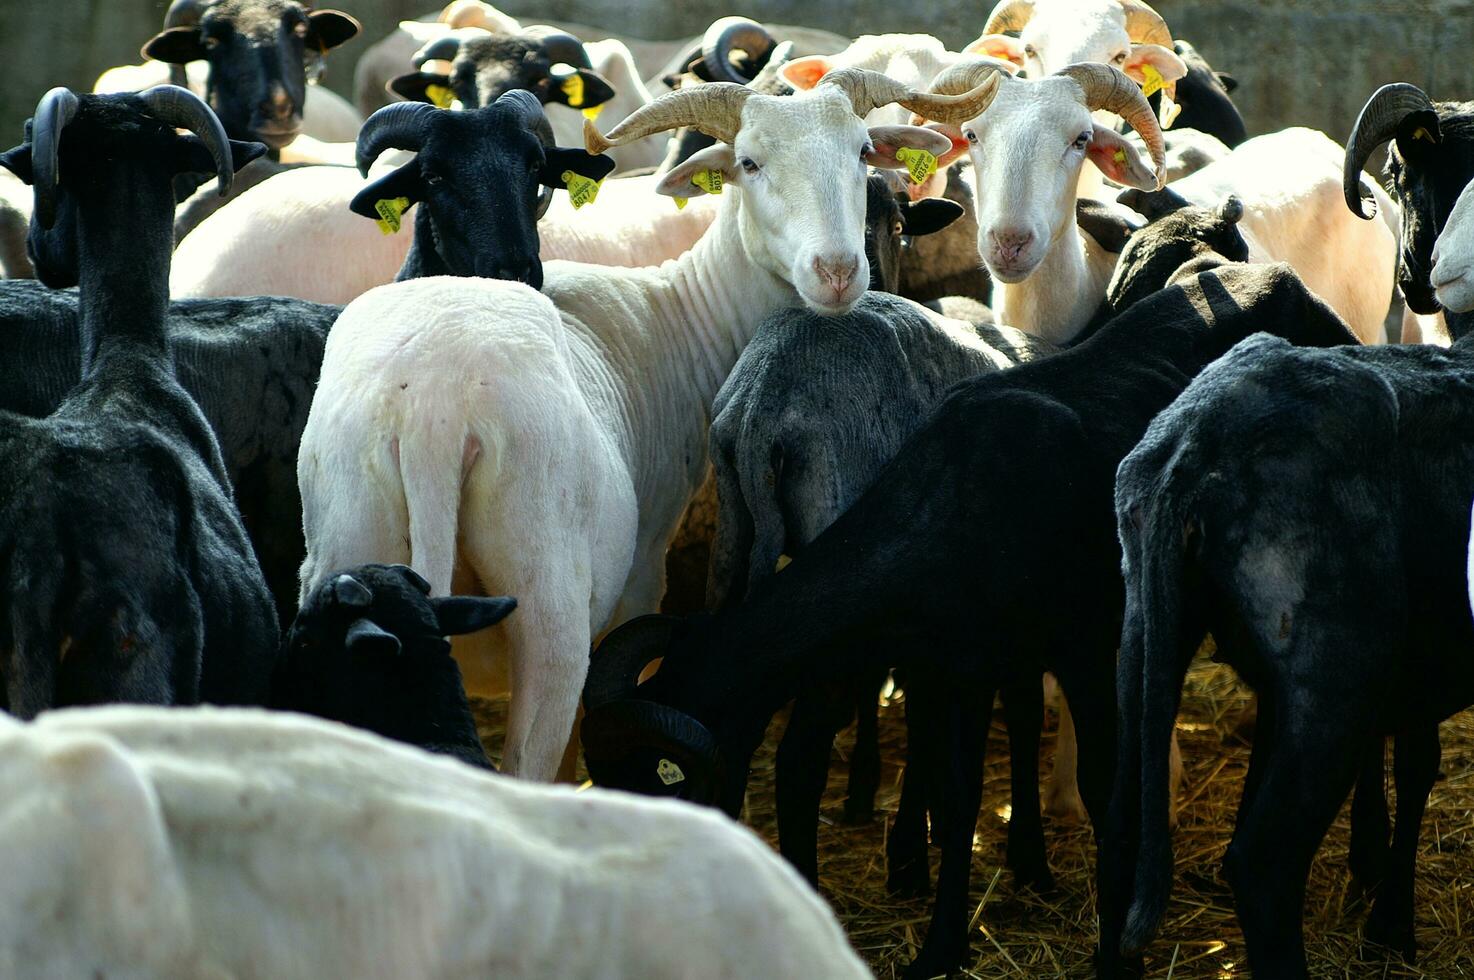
{"x": 573, "y": 88}
{"x": 919, "y": 163}
{"x": 708, "y": 180}
{"x": 440, "y": 96}
{"x": 1153, "y": 81}
{"x": 681, "y": 203}
{"x": 1422, "y": 134}
{"x": 390, "y": 213}
{"x": 581, "y": 190}
{"x": 592, "y": 112}
{"x": 1120, "y": 155}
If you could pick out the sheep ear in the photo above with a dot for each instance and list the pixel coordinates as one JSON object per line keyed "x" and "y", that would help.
{"x": 349, "y": 591}
{"x": 928, "y": 216}
{"x": 18, "y": 161}
{"x": 330, "y": 28}
{"x": 677, "y": 183}
{"x": 412, "y": 577}
{"x": 561, "y": 159}
{"x": 367, "y": 638}
{"x": 458, "y": 614}
{"x": 415, "y": 86}
{"x": 404, "y": 182}
{"x": 176, "y": 46}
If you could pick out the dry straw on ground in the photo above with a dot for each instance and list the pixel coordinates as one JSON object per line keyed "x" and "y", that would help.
{"x": 1023, "y": 935}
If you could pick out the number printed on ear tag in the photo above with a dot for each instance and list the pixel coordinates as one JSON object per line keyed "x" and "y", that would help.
{"x": 708, "y": 180}
{"x": 581, "y": 190}
{"x": 920, "y": 164}
{"x": 669, "y": 772}
{"x": 1154, "y": 82}
{"x": 440, "y": 96}
{"x": 573, "y": 88}
{"x": 391, "y": 212}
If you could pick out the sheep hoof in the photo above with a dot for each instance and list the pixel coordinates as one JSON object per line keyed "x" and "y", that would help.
{"x": 1389, "y": 931}
{"x": 857, "y": 812}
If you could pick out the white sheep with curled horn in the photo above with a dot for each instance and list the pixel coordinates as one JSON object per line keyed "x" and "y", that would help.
{"x": 1032, "y": 141}
{"x": 551, "y": 442}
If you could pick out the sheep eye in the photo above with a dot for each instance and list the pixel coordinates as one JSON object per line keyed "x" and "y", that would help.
{"x": 434, "y": 180}
{"x": 748, "y": 166}
{"x": 1120, "y": 58}
{"x": 972, "y": 137}
{"x": 1029, "y": 51}
{"x": 1082, "y": 141}
{"x": 211, "y": 43}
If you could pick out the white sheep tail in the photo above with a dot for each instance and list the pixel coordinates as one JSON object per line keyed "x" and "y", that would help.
{"x": 433, "y": 463}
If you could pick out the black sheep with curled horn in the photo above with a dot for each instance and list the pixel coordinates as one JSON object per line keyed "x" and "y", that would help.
{"x": 551, "y": 64}
{"x": 510, "y": 138}
{"x": 121, "y": 546}
{"x": 1101, "y": 88}
{"x": 1430, "y": 161}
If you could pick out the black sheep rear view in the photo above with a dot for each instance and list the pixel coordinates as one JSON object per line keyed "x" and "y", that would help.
{"x": 127, "y": 575}
{"x": 983, "y": 554}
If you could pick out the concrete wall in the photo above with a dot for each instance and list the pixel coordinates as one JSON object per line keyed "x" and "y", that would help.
{"x": 1300, "y": 62}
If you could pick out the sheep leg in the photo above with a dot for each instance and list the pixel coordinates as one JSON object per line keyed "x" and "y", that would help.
{"x": 803, "y": 771}
{"x": 1024, "y": 714}
{"x": 859, "y": 806}
{"x": 908, "y": 872}
{"x": 965, "y": 724}
{"x": 1061, "y": 795}
{"x": 1415, "y": 768}
{"x": 1370, "y": 826}
{"x": 1309, "y": 761}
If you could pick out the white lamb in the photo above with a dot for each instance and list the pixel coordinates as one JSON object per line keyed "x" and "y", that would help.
{"x": 553, "y": 441}
{"x": 1453, "y": 257}
{"x": 180, "y": 844}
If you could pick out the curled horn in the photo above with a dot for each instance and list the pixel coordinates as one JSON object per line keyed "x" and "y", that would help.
{"x": 1378, "y": 123}
{"x": 1009, "y": 15}
{"x": 715, "y": 109}
{"x": 1144, "y": 25}
{"x": 536, "y": 120}
{"x": 734, "y": 34}
{"x": 184, "y": 13}
{"x": 182, "y": 109}
{"x": 56, "y": 109}
{"x": 1109, "y": 89}
{"x": 614, "y": 669}
{"x": 400, "y": 126}
{"x": 869, "y": 90}
{"x": 560, "y": 46}
{"x": 441, "y": 49}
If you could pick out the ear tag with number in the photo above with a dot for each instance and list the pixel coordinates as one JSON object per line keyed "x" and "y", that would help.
{"x": 669, "y": 772}
{"x": 708, "y": 180}
{"x": 440, "y": 96}
{"x": 1152, "y": 80}
{"x": 592, "y": 112}
{"x": 919, "y": 163}
{"x": 573, "y": 89}
{"x": 581, "y": 190}
{"x": 391, "y": 211}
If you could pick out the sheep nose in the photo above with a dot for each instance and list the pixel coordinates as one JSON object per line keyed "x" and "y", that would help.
{"x": 838, "y": 273}
{"x": 277, "y": 105}
{"x": 1010, "y": 243}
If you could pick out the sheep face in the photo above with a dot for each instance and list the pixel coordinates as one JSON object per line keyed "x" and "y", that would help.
{"x": 1069, "y": 32}
{"x": 1178, "y": 233}
{"x": 1427, "y": 179}
{"x": 1453, "y": 257}
{"x": 484, "y": 67}
{"x": 1028, "y": 148}
{"x": 258, "y": 52}
{"x": 482, "y": 178}
{"x": 800, "y": 165}
{"x": 891, "y": 220}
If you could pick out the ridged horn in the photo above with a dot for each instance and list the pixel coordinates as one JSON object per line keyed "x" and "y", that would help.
{"x": 714, "y": 108}
{"x": 560, "y": 46}
{"x": 56, "y": 109}
{"x": 614, "y": 668}
{"x": 1109, "y": 89}
{"x": 441, "y": 49}
{"x": 184, "y": 13}
{"x": 730, "y": 34}
{"x": 1009, "y": 15}
{"x": 1144, "y": 25}
{"x": 399, "y": 126}
{"x": 182, "y": 109}
{"x": 869, "y": 90}
{"x": 1378, "y": 123}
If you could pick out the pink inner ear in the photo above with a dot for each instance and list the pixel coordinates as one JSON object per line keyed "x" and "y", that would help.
{"x": 999, "y": 46}
{"x": 1103, "y": 154}
{"x": 804, "y": 73}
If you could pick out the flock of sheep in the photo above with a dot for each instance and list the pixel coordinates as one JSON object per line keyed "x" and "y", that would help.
{"x": 1013, "y": 360}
